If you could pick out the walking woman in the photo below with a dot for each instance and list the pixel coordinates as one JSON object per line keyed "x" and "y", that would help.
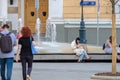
{"x": 80, "y": 49}
{"x": 24, "y": 50}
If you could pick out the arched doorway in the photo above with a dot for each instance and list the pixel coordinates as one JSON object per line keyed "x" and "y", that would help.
{"x": 30, "y": 14}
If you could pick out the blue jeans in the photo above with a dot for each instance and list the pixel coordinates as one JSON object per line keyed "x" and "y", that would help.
{"x": 6, "y": 63}
{"x": 83, "y": 55}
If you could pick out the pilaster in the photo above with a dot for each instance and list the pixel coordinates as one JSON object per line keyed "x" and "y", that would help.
{"x": 55, "y": 9}
{"x": 3, "y": 9}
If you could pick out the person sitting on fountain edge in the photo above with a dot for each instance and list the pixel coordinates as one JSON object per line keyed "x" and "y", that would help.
{"x": 80, "y": 49}
{"x": 108, "y": 47}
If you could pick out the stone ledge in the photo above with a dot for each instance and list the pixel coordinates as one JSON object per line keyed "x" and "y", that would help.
{"x": 66, "y": 56}
{"x": 105, "y": 77}
{"x": 61, "y": 56}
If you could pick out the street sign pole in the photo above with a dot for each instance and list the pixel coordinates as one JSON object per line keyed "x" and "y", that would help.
{"x": 82, "y": 31}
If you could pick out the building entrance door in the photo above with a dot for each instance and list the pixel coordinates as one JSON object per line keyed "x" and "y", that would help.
{"x": 30, "y": 14}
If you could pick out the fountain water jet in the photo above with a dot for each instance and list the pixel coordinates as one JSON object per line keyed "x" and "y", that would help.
{"x": 48, "y": 29}
{"x": 51, "y": 46}
{"x": 20, "y": 25}
{"x": 38, "y": 22}
{"x": 53, "y": 33}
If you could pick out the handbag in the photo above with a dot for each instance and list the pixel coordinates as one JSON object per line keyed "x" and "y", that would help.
{"x": 33, "y": 49}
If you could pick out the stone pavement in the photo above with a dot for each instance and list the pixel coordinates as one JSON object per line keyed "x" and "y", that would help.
{"x": 63, "y": 71}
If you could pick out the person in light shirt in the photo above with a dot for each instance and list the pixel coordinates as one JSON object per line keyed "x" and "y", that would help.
{"x": 7, "y": 59}
{"x": 80, "y": 49}
{"x": 108, "y": 47}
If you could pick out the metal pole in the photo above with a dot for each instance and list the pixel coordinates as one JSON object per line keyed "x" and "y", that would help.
{"x": 82, "y": 31}
{"x": 98, "y": 14}
{"x": 97, "y": 30}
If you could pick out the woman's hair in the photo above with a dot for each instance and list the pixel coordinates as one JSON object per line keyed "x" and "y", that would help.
{"x": 26, "y": 32}
{"x": 110, "y": 38}
{"x": 5, "y": 26}
{"x": 77, "y": 40}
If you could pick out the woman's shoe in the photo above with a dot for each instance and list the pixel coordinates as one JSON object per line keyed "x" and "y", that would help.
{"x": 88, "y": 58}
{"x": 118, "y": 59}
{"x": 78, "y": 61}
{"x": 28, "y": 77}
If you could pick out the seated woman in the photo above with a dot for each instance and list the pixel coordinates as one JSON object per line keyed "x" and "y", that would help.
{"x": 80, "y": 49}
{"x": 108, "y": 47}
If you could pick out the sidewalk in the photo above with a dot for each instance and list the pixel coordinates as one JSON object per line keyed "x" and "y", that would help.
{"x": 63, "y": 71}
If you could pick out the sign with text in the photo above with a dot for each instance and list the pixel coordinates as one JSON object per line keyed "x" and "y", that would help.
{"x": 88, "y": 3}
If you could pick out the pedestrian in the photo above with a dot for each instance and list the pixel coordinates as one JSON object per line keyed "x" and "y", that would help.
{"x": 24, "y": 50}
{"x": 1, "y": 29}
{"x": 108, "y": 47}
{"x": 0, "y": 59}
{"x": 80, "y": 49}
{"x": 19, "y": 35}
{"x": 7, "y": 58}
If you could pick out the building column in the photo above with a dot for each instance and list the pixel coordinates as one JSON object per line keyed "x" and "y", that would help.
{"x": 3, "y": 9}
{"x": 19, "y": 9}
{"x": 55, "y": 9}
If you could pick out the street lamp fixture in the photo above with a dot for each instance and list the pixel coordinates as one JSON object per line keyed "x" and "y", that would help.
{"x": 82, "y": 30}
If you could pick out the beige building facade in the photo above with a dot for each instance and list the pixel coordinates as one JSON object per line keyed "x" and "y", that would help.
{"x": 54, "y": 9}
{"x": 72, "y": 9}
{"x": 65, "y": 15}
{"x": 65, "y": 10}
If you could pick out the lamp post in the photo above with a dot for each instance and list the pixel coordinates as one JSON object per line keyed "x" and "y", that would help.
{"x": 82, "y": 30}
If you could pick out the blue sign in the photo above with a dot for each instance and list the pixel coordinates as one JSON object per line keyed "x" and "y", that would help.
{"x": 88, "y": 3}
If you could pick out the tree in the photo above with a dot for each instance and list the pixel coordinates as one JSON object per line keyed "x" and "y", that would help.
{"x": 114, "y": 54}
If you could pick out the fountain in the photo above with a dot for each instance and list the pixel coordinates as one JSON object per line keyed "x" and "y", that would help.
{"x": 46, "y": 46}
{"x": 53, "y": 33}
{"x": 48, "y": 27}
{"x": 38, "y": 22}
{"x": 51, "y": 46}
{"x": 4, "y": 21}
{"x": 20, "y": 25}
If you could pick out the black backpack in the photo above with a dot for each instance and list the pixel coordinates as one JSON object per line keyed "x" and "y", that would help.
{"x": 5, "y": 43}
{"x": 103, "y": 46}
